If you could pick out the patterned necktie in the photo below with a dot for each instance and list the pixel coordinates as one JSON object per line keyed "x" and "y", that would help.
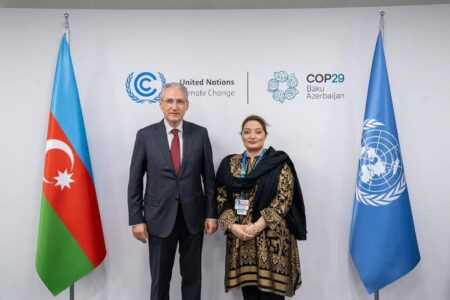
{"x": 175, "y": 151}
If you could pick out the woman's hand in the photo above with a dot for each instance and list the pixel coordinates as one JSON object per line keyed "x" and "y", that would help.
{"x": 253, "y": 229}
{"x": 240, "y": 233}
{"x": 250, "y": 230}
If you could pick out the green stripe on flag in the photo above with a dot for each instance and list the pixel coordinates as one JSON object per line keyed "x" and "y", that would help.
{"x": 59, "y": 259}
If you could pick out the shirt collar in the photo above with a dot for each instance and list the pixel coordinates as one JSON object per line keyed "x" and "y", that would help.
{"x": 169, "y": 127}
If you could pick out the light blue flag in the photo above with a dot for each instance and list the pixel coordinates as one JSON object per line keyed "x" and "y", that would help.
{"x": 383, "y": 242}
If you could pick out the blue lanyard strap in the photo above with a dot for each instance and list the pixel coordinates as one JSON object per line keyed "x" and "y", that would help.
{"x": 244, "y": 166}
{"x": 244, "y": 162}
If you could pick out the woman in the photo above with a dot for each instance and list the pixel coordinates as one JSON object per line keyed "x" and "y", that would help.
{"x": 261, "y": 210}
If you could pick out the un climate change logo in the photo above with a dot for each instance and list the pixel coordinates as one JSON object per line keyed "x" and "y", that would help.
{"x": 380, "y": 178}
{"x": 145, "y": 87}
{"x": 280, "y": 79}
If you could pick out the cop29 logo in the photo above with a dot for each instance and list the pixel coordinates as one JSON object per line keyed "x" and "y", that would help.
{"x": 283, "y": 86}
{"x": 145, "y": 86}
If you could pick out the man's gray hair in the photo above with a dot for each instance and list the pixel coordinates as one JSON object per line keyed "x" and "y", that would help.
{"x": 174, "y": 85}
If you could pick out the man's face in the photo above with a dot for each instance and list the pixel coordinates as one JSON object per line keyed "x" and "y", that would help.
{"x": 174, "y": 105}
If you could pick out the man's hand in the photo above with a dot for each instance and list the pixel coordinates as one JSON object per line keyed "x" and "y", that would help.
{"x": 140, "y": 232}
{"x": 210, "y": 226}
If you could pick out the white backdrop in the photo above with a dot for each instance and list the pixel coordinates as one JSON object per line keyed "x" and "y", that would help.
{"x": 322, "y": 136}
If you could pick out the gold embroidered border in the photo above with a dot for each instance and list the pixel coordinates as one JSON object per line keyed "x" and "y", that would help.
{"x": 262, "y": 283}
{"x": 261, "y": 273}
{"x": 271, "y": 217}
{"x": 226, "y": 219}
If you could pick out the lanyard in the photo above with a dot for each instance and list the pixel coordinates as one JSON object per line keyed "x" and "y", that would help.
{"x": 243, "y": 210}
{"x": 244, "y": 162}
{"x": 244, "y": 166}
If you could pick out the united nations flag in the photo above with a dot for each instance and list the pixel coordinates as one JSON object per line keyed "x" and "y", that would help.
{"x": 383, "y": 242}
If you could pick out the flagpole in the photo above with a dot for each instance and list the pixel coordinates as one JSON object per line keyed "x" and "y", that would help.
{"x": 67, "y": 31}
{"x": 382, "y": 22}
{"x": 381, "y": 28}
{"x": 72, "y": 291}
{"x": 66, "y": 27}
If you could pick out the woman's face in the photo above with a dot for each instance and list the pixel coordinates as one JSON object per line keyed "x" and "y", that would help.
{"x": 253, "y": 136}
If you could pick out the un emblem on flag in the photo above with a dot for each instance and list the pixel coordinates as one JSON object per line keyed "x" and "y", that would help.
{"x": 145, "y": 87}
{"x": 380, "y": 174}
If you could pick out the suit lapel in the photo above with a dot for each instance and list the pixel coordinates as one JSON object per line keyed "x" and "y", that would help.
{"x": 164, "y": 144}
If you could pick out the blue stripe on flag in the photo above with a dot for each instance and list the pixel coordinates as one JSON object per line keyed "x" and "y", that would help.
{"x": 66, "y": 107}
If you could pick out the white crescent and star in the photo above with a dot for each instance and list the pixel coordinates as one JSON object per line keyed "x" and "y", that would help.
{"x": 63, "y": 179}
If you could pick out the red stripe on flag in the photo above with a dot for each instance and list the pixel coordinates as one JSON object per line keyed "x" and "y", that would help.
{"x": 74, "y": 202}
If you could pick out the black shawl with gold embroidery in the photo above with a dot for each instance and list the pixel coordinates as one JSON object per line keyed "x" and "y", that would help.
{"x": 266, "y": 175}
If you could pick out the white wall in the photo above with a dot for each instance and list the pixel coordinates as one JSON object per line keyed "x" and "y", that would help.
{"x": 321, "y": 136}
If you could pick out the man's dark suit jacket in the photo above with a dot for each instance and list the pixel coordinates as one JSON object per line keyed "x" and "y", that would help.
{"x": 157, "y": 207}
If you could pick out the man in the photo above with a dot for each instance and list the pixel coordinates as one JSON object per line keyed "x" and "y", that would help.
{"x": 175, "y": 156}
